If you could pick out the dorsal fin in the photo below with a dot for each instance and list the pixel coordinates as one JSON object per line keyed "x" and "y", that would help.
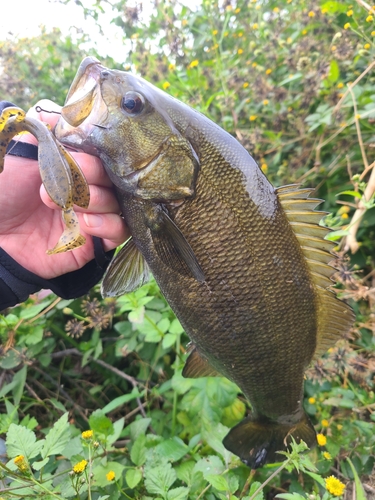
{"x": 335, "y": 318}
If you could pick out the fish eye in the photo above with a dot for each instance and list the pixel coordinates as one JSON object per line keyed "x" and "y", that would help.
{"x": 133, "y": 103}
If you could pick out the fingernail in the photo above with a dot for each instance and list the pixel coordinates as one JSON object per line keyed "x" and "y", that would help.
{"x": 92, "y": 220}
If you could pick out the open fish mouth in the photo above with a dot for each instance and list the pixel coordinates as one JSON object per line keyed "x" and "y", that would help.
{"x": 84, "y": 108}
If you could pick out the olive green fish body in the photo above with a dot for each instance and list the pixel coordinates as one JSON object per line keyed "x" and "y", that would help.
{"x": 243, "y": 266}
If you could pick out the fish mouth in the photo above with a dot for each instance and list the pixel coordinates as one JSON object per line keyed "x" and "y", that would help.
{"x": 84, "y": 108}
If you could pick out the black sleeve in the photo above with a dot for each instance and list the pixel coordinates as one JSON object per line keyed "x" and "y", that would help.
{"x": 17, "y": 283}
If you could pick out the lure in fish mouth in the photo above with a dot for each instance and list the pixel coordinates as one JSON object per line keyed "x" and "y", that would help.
{"x": 244, "y": 266}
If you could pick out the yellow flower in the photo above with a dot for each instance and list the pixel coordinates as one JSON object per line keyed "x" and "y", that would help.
{"x": 21, "y": 463}
{"x": 255, "y": 26}
{"x": 276, "y": 9}
{"x": 340, "y": 95}
{"x": 166, "y": 85}
{"x": 340, "y": 85}
{"x": 226, "y": 33}
{"x": 237, "y": 10}
{"x": 289, "y": 40}
{"x": 245, "y": 85}
{"x": 304, "y": 32}
{"x": 265, "y": 102}
{"x": 357, "y": 116}
{"x": 253, "y": 118}
{"x": 264, "y": 168}
{"x": 322, "y": 440}
{"x": 215, "y": 32}
{"x": 334, "y": 486}
{"x": 325, "y": 422}
{"x": 349, "y": 13}
{"x": 228, "y": 8}
{"x": 311, "y": 13}
{"x": 80, "y": 467}
{"x": 372, "y": 33}
{"x": 194, "y": 63}
{"x": 324, "y": 10}
{"x": 239, "y": 51}
{"x": 171, "y": 67}
{"x": 366, "y": 46}
{"x": 333, "y": 48}
{"x": 346, "y": 26}
{"x": 268, "y": 71}
{"x": 339, "y": 427}
{"x": 240, "y": 34}
{"x": 327, "y": 455}
{"x": 87, "y": 434}
{"x": 110, "y": 476}
{"x": 254, "y": 65}
{"x": 312, "y": 400}
{"x": 369, "y": 19}
{"x": 345, "y": 216}
{"x": 289, "y": 1}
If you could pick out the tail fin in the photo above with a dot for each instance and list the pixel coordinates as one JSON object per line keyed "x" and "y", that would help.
{"x": 257, "y": 442}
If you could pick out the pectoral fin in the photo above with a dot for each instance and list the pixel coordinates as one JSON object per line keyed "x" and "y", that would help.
{"x": 127, "y": 272}
{"x": 196, "y": 366}
{"x": 172, "y": 247}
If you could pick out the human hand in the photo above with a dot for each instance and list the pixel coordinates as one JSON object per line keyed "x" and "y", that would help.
{"x": 30, "y": 223}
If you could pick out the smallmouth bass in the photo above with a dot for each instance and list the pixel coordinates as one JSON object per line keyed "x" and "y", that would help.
{"x": 244, "y": 266}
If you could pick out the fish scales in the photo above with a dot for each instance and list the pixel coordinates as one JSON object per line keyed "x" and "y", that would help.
{"x": 225, "y": 253}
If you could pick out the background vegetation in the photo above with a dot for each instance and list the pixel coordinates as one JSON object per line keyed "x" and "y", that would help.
{"x": 293, "y": 81}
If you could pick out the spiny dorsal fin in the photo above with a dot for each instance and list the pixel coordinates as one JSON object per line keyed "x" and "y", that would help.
{"x": 127, "y": 271}
{"x": 196, "y": 366}
{"x": 335, "y": 318}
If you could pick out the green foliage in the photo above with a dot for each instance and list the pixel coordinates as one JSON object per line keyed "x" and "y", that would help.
{"x": 277, "y": 76}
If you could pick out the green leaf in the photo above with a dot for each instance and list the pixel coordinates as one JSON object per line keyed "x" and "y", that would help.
{"x": 138, "y": 427}
{"x": 34, "y": 336}
{"x": 334, "y": 72}
{"x": 254, "y": 486}
{"x": 333, "y": 6}
{"x": 159, "y": 479}
{"x": 121, "y": 400}
{"x": 117, "y": 429}
{"x": 180, "y": 493}
{"x": 291, "y": 496}
{"x": 58, "y": 405}
{"x": 337, "y": 235}
{"x": 359, "y": 491}
{"x": 100, "y": 423}
{"x": 168, "y": 340}
{"x": 218, "y": 482}
{"x": 176, "y": 327}
{"x": 317, "y": 478}
{"x": 211, "y": 465}
{"x": 57, "y": 438}
{"x": 173, "y": 449}
{"x": 32, "y": 311}
{"x": 19, "y": 380}
{"x": 351, "y": 193}
{"x": 138, "y": 451}
{"x": 22, "y": 441}
{"x": 40, "y": 464}
{"x": 100, "y": 473}
{"x": 133, "y": 477}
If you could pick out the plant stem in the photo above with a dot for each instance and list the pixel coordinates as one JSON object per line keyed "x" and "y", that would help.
{"x": 269, "y": 479}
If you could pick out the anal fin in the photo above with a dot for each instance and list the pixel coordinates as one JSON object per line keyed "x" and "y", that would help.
{"x": 196, "y": 366}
